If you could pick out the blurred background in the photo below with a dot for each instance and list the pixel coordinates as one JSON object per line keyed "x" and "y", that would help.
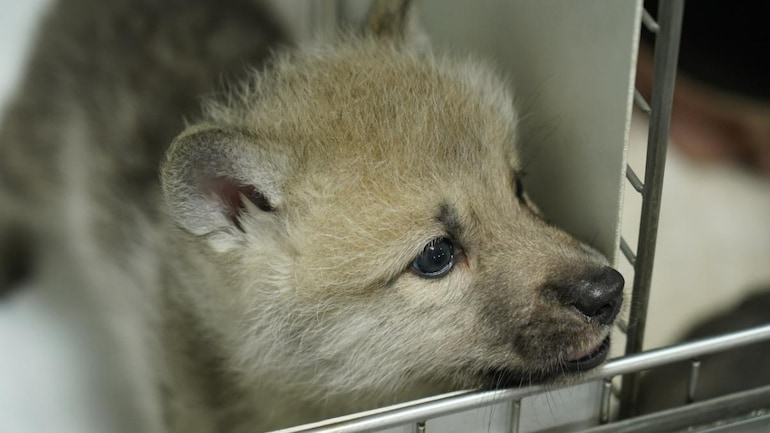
{"x": 713, "y": 250}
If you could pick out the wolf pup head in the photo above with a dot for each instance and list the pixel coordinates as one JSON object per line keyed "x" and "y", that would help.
{"x": 354, "y": 225}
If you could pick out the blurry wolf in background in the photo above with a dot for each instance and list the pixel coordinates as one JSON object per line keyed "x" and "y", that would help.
{"x": 339, "y": 227}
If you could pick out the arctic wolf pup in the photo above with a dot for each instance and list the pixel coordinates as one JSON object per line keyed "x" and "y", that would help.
{"x": 345, "y": 227}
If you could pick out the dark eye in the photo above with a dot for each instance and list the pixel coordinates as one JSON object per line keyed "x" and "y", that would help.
{"x": 436, "y": 259}
{"x": 519, "y": 190}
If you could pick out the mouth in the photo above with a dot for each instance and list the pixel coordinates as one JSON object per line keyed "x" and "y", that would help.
{"x": 586, "y": 360}
{"x": 577, "y": 362}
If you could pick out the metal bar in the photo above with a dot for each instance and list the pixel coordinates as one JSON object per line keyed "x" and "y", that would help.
{"x": 717, "y": 410}
{"x": 627, "y": 251}
{"x": 634, "y": 179}
{"x": 372, "y": 412}
{"x": 753, "y": 422}
{"x": 641, "y": 103}
{"x": 433, "y": 407}
{"x": 664, "y": 74}
{"x": 420, "y": 427}
{"x": 515, "y": 416}
{"x": 622, "y": 325}
{"x": 692, "y": 380}
{"x": 680, "y": 352}
{"x": 604, "y": 405}
{"x": 649, "y": 22}
{"x": 615, "y": 391}
{"x": 411, "y": 413}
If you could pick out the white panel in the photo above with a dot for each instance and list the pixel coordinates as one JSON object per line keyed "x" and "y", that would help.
{"x": 572, "y": 65}
{"x": 17, "y": 22}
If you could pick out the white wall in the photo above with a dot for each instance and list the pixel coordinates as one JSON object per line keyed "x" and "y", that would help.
{"x": 17, "y": 22}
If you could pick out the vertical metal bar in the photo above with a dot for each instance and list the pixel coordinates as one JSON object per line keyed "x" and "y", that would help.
{"x": 664, "y": 74}
{"x": 515, "y": 416}
{"x": 692, "y": 380}
{"x": 420, "y": 427}
{"x": 604, "y": 411}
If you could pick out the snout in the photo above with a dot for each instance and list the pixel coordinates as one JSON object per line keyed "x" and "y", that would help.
{"x": 597, "y": 295}
{"x": 578, "y": 307}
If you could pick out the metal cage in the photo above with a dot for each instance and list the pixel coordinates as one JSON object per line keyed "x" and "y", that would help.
{"x": 743, "y": 411}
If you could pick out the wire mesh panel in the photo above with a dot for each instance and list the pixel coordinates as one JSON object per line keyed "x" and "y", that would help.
{"x": 415, "y": 416}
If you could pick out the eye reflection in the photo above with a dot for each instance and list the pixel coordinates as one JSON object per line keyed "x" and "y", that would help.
{"x": 435, "y": 260}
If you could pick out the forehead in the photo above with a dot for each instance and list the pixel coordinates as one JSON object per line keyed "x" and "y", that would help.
{"x": 384, "y": 139}
{"x": 372, "y": 104}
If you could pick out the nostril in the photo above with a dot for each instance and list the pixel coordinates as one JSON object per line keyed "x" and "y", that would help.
{"x": 601, "y": 312}
{"x": 599, "y": 297}
{"x": 607, "y": 312}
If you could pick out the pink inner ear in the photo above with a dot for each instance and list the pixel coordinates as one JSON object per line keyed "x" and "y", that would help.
{"x": 230, "y": 193}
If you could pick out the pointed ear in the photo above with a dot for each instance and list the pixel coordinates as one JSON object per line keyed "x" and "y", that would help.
{"x": 212, "y": 177}
{"x": 398, "y": 21}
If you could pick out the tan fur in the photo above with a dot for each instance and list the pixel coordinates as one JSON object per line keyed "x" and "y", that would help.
{"x": 304, "y": 306}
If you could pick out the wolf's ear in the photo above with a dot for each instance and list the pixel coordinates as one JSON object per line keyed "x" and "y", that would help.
{"x": 398, "y": 21}
{"x": 213, "y": 177}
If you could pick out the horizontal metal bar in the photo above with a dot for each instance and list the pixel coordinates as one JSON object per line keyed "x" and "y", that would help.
{"x": 371, "y": 413}
{"x": 753, "y": 422}
{"x": 634, "y": 179}
{"x": 630, "y": 256}
{"x": 680, "y": 352}
{"x": 466, "y": 400}
{"x": 469, "y": 400}
{"x": 642, "y": 103}
{"x": 649, "y": 22}
{"x": 719, "y": 409}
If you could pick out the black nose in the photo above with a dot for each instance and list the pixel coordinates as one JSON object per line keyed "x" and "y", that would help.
{"x": 598, "y": 295}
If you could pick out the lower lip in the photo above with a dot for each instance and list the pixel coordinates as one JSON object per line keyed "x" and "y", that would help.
{"x": 497, "y": 379}
{"x": 593, "y": 360}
